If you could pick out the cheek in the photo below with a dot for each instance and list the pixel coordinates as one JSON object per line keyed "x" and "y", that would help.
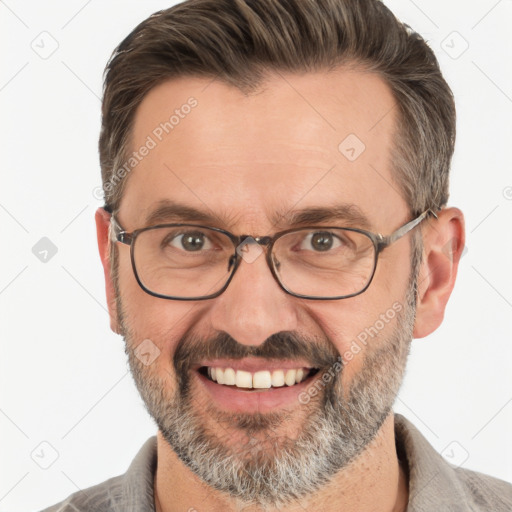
{"x": 360, "y": 324}
{"x": 162, "y": 322}
{"x": 392, "y": 274}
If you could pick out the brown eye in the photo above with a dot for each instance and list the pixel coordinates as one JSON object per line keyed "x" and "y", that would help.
{"x": 320, "y": 241}
{"x": 191, "y": 241}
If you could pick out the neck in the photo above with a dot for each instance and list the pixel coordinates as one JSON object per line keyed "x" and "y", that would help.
{"x": 374, "y": 481}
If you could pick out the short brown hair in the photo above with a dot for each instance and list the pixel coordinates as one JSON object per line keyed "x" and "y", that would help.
{"x": 238, "y": 41}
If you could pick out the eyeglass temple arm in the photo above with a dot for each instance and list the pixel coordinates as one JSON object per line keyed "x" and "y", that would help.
{"x": 400, "y": 232}
{"x": 117, "y": 233}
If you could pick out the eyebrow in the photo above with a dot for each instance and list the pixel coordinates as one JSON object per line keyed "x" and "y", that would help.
{"x": 166, "y": 211}
{"x": 349, "y": 215}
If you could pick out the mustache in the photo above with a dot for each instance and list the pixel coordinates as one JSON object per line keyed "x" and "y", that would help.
{"x": 191, "y": 349}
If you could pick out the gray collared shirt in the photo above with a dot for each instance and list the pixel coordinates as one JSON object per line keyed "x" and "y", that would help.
{"x": 434, "y": 484}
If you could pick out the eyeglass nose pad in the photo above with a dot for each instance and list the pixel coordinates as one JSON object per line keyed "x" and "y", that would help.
{"x": 249, "y": 250}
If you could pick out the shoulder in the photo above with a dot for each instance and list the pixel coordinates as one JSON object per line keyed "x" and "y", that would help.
{"x": 99, "y": 498}
{"x": 435, "y": 484}
{"x": 130, "y": 492}
{"x": 485, "y": 492}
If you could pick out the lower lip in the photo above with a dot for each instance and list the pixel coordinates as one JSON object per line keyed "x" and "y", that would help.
{"x": 234, "y": 399}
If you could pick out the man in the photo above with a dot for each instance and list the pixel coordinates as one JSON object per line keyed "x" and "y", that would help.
{"x": 275, "y": 234}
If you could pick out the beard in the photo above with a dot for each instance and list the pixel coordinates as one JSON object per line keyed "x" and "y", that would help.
{"x": 253, "y": 457}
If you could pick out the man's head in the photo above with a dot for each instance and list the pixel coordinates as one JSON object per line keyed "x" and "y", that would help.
{"x": 257, "y": 117}
{"x": 241, "y": 42}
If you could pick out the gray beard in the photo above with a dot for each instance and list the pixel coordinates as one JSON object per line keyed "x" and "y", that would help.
{"x": 267, "y": 468}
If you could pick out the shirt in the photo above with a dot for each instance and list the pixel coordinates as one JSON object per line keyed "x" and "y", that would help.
{"x": 434, "y": 484}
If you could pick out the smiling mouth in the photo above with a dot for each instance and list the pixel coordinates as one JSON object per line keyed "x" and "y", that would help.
{"x": 260, "y": 380}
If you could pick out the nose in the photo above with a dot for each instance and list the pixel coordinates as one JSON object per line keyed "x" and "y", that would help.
{"x": 253, "y": 307}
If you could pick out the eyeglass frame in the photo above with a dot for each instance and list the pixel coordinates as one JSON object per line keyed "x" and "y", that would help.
{"x": 380, "y": 242}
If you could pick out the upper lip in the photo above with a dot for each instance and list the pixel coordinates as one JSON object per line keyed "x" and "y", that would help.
{"x": 254, "y": 364}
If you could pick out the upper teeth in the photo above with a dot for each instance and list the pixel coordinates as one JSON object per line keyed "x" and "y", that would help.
{"x": 262, "y": 379}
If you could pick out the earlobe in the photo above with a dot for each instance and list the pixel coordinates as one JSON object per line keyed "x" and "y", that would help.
{"x": 443, "y": 245}
{"x": 102, "y": 218}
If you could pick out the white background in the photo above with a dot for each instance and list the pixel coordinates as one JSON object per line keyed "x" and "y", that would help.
{"x": 64, "y": 377}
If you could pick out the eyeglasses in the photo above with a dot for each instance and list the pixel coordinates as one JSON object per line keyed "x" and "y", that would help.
{"x": 193, "y": 262}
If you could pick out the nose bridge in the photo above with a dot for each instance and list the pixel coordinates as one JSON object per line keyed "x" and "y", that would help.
{"x": 260, "y": 240}
{"x": 254, "y": 306}
{"x": 251, "y": 248}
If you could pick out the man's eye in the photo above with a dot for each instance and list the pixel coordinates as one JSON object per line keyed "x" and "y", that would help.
{"x": 190, "y": 241}
{"x": 321, "y": 241}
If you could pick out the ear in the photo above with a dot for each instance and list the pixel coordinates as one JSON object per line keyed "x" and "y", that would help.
{"x": 102, "y": 230}
{"x": 443, "y": 245}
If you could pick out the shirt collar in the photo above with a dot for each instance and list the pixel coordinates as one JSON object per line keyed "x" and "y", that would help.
{"x": 433, "y": 483}
{"x": 137, "y": 489}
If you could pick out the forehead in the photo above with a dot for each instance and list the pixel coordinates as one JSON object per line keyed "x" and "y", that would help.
{"x": 316, "y": 140}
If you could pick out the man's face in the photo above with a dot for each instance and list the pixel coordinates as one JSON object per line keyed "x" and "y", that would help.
{"x": 250, "y": 162}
